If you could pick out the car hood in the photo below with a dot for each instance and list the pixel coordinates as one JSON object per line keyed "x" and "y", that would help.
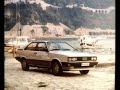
{"x": 71, "y": 53}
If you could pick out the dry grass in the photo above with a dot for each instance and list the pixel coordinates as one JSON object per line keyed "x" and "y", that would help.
{"x": 7, "y": 54}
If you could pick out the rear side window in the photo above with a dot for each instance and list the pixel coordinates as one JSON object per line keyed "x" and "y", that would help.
{"x": 31, "y": 47}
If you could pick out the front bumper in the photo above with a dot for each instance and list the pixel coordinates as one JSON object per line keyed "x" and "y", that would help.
{"x": 66, "y": 66}
{"x": 18, "y": 58}
{"x": 8, "y": 45}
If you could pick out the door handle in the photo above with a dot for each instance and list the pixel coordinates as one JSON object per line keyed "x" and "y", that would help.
{"x": 35, "y": 52}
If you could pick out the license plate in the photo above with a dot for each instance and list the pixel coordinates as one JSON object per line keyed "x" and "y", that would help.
{"x": 85, "y": 64}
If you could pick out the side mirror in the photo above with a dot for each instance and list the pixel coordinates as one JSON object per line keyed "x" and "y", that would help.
{"x": 45, "y": 49}
{"x": 42, "y": 49}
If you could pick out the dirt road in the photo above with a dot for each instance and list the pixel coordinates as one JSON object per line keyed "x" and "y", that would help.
{"x": 100, "y": 78}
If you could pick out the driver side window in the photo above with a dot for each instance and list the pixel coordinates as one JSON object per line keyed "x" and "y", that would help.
{"x": 53, "y": 46}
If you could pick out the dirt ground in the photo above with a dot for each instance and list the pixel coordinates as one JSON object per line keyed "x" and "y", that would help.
{"x": 100, "y": 78}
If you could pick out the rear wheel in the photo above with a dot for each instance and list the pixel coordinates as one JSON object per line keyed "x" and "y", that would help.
{"x": 24, "y": 65}
{"x": 84, "y": 71}
{"x": 56, "y": 68}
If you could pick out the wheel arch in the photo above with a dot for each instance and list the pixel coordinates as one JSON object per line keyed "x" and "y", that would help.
{"x": 22, "y": 58}
{"x": 55, "y": 60}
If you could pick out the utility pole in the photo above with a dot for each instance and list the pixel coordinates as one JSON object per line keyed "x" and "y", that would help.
{"x": 18, "y": 18}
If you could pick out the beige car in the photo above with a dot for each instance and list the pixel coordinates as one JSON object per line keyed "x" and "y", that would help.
{"x": 57, "y": 56}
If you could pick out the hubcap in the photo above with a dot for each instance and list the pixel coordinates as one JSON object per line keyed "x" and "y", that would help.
{"x": 24, "y": 64}
{"x": 56, "y": 68}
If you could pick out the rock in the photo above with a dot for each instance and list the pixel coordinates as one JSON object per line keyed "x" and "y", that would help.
{"x": 42, "y": 84}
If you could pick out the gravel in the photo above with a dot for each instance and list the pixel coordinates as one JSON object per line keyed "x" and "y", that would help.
{"x": 100, "y": 78}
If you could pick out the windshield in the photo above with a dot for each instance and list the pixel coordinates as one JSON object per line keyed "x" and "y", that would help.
{"x": 9, "y": 40}
{"x": 59, "y": 46}
{"x": 22, "y": 39}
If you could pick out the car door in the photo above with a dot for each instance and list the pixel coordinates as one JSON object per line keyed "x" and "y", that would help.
{"x": 42, "y": 56}
{"x": 30, "y": 53}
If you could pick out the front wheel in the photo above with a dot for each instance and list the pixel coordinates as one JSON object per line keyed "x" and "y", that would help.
{"x": 56, "y": 68}
{"x": 24, "y": 65}
{"x": 84, "y": 71}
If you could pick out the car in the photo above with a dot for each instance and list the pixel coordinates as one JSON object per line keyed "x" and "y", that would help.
{"x": 56, "y": 56}
{"x": 18, "y": 41}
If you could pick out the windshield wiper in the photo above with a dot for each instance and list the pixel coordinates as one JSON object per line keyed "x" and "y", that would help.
{"x": 59, "y": 49}
{"x": 54, "y": 49}
{"x": 65, "y": 49}
{"x": 76, "y": 50}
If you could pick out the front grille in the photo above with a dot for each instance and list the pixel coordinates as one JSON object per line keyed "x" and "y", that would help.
{"x": 80, "y": 58}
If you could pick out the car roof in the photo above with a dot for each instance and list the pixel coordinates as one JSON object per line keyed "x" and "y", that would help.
{"x": 47, "y": 41}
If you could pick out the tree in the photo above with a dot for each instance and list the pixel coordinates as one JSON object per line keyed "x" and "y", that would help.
{"x": 68, "y": 32}
{"x": 45, "y": 29}
{"x": 32, "y": 33}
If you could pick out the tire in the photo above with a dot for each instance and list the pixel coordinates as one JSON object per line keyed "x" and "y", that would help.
{"x": 84, "y": 71}
{"x": 24, "y": 65}
{"x": 56, "y": 69}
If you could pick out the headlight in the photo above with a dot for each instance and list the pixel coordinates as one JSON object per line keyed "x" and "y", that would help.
{"x": 94, "y": 58}
{"x": 72, "y": 59}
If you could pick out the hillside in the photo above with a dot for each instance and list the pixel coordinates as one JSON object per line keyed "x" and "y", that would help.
{"x": 56, "y": 12}
{"x": 98, "y": 4}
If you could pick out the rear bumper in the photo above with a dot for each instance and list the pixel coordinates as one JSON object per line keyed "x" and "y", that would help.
{"x": 78, "y": 66}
